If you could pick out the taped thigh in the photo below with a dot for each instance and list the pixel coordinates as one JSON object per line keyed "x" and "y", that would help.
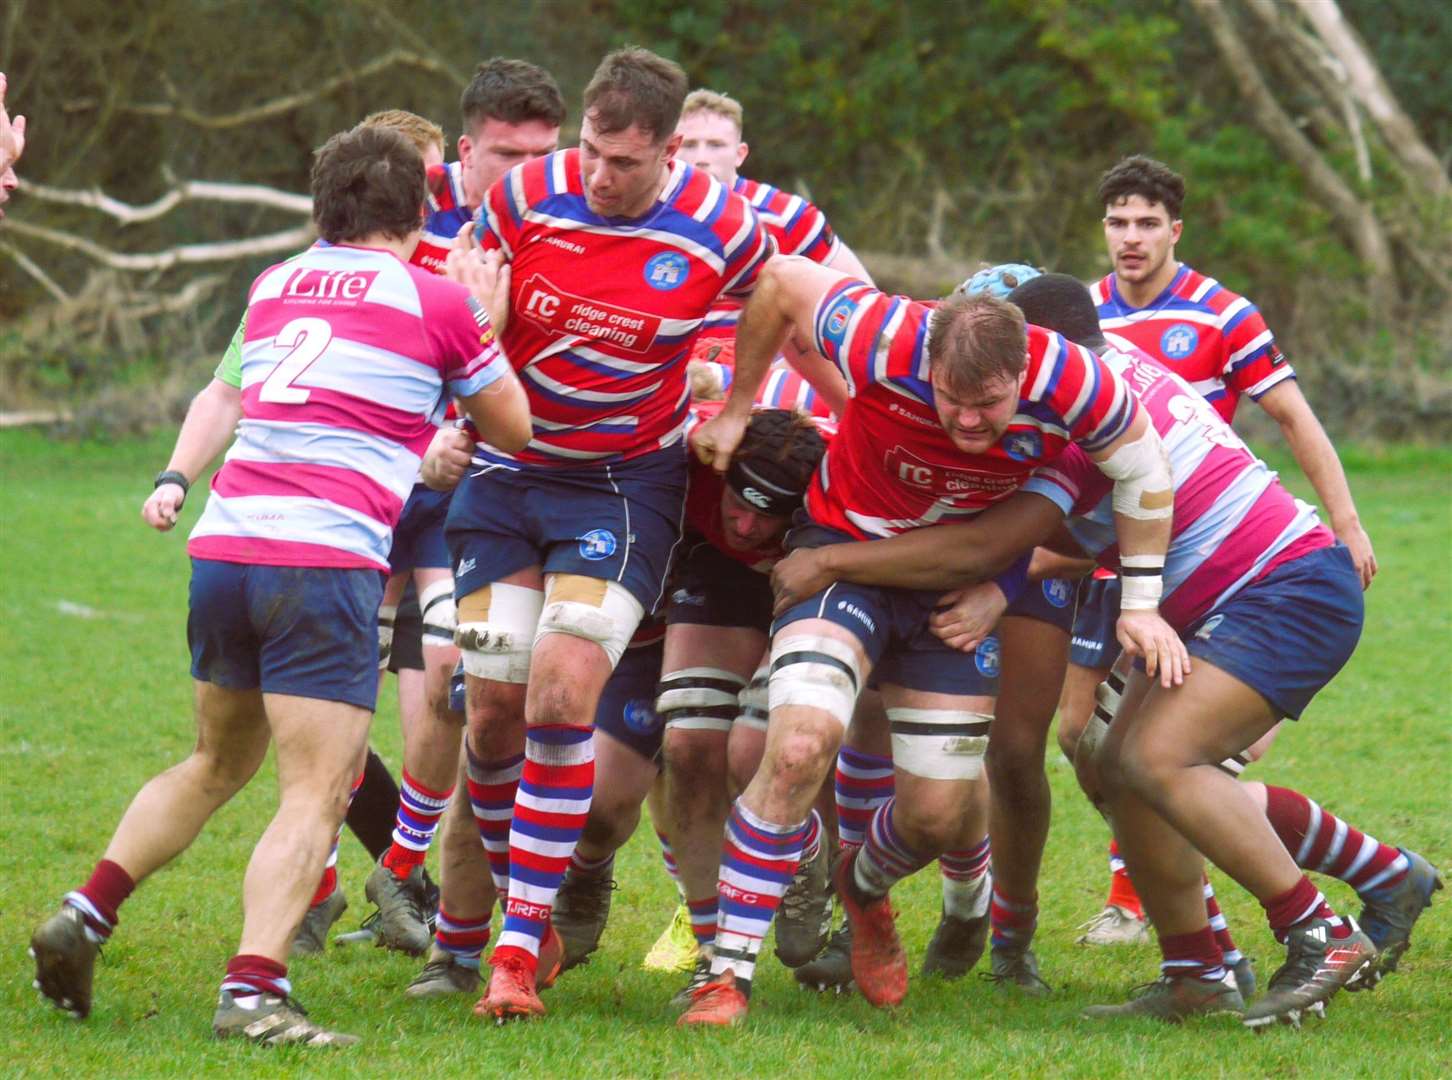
{"x": 698, "y": 698}
{"x": 817, "y": 672}
{"x": 387, "y": 613}
{"x": 440, "y": 619}
{"x": 939, "y": 744}
{"x": 753, "y": 704}
{"x": 495, "y": 631}
{"x": 604, "y": 612}
{"x": 1107, "y": 696}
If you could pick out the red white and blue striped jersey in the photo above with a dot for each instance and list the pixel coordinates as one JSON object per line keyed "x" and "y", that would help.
{"x": 892, "y": 467}
{"x": 1234, "y": 522}
{"x": 603, "y": 310}
{"x": 1212, "y": 338}
{"x": 446, "y": 211}
{"x": 796, "y": 226}
{"x": 783, "y": 388}
{"x": 348, "y": 357}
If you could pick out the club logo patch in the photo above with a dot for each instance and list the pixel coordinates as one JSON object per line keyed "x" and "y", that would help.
{"x": 835, "y": 324}
{"x": 985, "y": 658}
{"x": 666, "y": 271}
{"x": 1024, "y": 446}
{"x": 1208, "y": 627}
{"x": 597, "y": 544}
{"x": 640, "y": 716}
{"x": 1058, "y": 592}
{"x": 1179, "y": 341}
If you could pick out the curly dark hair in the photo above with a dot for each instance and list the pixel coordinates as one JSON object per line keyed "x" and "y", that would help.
{"x": 1152, "y": 180}
{"x": 783, "y": 445}
{"x": 514, "y": 91}
{"x": 366, "y": 181}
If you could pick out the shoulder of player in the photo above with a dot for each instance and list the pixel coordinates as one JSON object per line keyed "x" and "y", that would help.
{"x": 1207, "y": 292}
{"x": 1051, "y": 357}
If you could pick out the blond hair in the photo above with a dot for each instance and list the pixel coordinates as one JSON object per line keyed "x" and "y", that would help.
{"x": 712, "y": 102}
{"x": 413, "y": 127}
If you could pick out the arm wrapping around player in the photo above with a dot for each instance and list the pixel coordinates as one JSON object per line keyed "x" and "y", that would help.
{"x": 1317, "y": 458}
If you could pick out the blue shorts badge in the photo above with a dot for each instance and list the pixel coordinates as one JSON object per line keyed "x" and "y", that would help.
{"x": 1058, "y": 592}
{"x": 985, "y": 657}
{"x": 597, "y": 544}
{"x": 1179, "y": 341}
{"x": 666, "y": 271}
{"x": 640, "y": 716}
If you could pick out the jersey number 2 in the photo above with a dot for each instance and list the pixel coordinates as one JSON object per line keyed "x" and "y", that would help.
{"x": 305, "y": 340}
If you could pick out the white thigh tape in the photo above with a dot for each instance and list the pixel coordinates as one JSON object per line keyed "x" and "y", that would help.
{"x": 814, "y": 671}
{"x": 699, "y": 698}
{"x": 939, "y": 744}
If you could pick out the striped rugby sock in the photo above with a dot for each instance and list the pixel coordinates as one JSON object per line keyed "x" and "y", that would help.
{"x": 491, "y": 786}
{"x": 1013, "y": 920}
{"x": 1194, "y": 955}
{"x": 966, "y": 880}
{"x": 1221, "y": 929}
{"x": 1321, "y": 842}
{"x": 885, "y": 859}
{"x": 758, "y": 859}
{"x": 419, "y": 811}
{"x": 462, "y": 938}
{"x": 863, "y": 783}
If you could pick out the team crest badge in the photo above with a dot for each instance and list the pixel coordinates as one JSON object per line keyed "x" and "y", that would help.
{"x": 640, "y": 717}
{"x": 985, "y": 658}
{"x": 1058, "y": 592}
{"x": 835, "y": 325}
{"x": 597, "y": 544}
{"x": 1024, "y": 446}
{"x": 666, "y": 271}
{"x": 1179, "y": 341}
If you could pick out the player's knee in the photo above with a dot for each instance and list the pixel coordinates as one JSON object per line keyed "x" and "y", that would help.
{"x": 1071, "y": 727}
{"x": 693, "y": 760}
{"x": 495, "y": 629}
{"x": 604, "y": 612}
{"x": 698, "y": 699}
{"x": 940, "y": 744}
{"x": 803, "y": 754}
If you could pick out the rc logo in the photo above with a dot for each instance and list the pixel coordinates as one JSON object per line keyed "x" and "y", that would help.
{"x": 1058, "y": 592}
{"x": 666, "y": 271}
{"x": 755, "y": 498}
{"x": 597, "y": 544}
{"x": 640, "y": 716}
{"x": 1024, "y": 446}
{"x": 1179, "y": 341}
{"x": 985, "y": 658}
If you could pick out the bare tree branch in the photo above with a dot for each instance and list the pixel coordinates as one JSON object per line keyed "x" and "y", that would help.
{"x": 1355, "y": 218}
{"x": 286, "y": 240}
{"x": 30, "y": 267}
{"x": 186, "y": 190}
{"x": 288, "y": 102}
{"x": 1370, "y": 89}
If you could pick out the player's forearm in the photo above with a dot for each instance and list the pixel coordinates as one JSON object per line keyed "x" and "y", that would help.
{"x": 761, "y": 332}
{"x": 210, "y": 422}
{"x": 936, "y": 557}
{"x": 1317, "y": 458}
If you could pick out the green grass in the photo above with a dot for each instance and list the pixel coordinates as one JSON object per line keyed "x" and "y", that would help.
{"x": 95, "y": 698}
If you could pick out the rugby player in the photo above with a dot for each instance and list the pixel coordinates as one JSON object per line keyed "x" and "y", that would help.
{"x": 941, "y": 425}
{"x": 561, "y": 549}
{"x": 1218, "y": 342}
{"x": 286, "y": 563}
{"x": 1269, "y": 606}
{"x": 12, "y": 145}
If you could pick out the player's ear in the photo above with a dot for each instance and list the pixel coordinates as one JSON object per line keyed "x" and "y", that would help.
{"x": 1176, "y": 227}
{"x": 741, "y": 151}
{"x": 672, "y": 146}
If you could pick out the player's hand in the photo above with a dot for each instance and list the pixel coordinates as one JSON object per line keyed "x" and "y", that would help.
{"x": 447, "y": 459}
{"x": 12, "y": 133}
{"x": 1362, "y": 557}
{"x": 802, "y": 574}
{"x": 161, "y": 508}
{"x": 1145, "y": 635}
{"x": 484, "y": 273}
{"x": 717, "y": 439}
{"x": 966, "y": 616}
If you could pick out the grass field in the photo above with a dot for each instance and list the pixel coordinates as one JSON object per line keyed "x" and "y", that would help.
{"x": 95, "y": 698}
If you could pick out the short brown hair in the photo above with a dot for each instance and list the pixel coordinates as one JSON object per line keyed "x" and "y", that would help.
{"x": 367, "y": 181}
{"x": 712, "y": 102}
{"x": 424, "y": 134}
{"x": 973, "y": 340}
{"x": 1151, "y": 180}
{"x": 633, "y": 87}
{"x": 514, "y": 91}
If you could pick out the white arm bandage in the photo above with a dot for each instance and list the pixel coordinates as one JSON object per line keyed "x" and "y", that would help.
{"x": 1144, "y": 488}
{"x": 1142, "y": 582}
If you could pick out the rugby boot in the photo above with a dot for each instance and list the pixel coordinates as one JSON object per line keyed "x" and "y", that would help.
{"x": 1317, "y": 965}
{"x": 676, "y": 948}
{"x": 551, "y": 961}
{"x": 65, "y": 961}
{"x": 274, "y": 1021}
{"x": 312, "y": 932}
{"x": 582, "y": 907}
{"x": 956, "y": 946}
{"x": 443, "y": 975}
{"x": 511, "y": 994}
{"x": 879, "y": 965}
{"x": 1018, "y": 968}
{"x": 700, "y": 976}
{"x": 1173, "y": 999}
{"x": 805, "y": 916}
{"x": 402, "y": 909}
{"x": 832, "y": 969}
{"x": 1114, "y": 926}
{"x": 1243, "y": 972}
{"x": 1387, "y": 917}
{"x": 718, "y": 1002}
{"x": 366, "y": 933}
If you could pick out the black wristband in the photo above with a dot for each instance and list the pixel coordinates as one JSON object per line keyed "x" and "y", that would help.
{"x": 171, "y": 476}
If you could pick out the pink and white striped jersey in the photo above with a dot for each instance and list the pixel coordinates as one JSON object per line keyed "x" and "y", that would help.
{"x": 603, "y": 310}
{"x": 892, "y": 467}
{"x": 1234, "y": 522}
{"x": 796, "y": 226}
{"x": 1212, "y": 338}
{"x": 347, "y": 360}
